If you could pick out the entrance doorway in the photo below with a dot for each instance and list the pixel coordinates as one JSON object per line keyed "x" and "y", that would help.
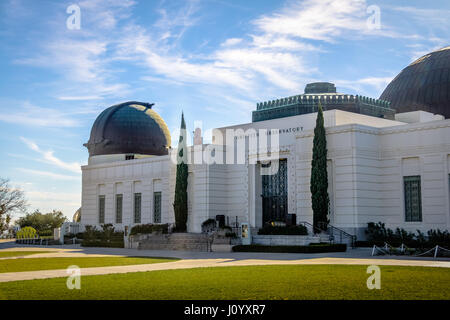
{"x": 274, "y": 194}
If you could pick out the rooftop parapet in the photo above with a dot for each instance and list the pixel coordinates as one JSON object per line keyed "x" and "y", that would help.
{"x": 308, "y": 99}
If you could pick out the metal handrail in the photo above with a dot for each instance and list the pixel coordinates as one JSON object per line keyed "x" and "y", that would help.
{"x": 327, "y": 227}
{"x": 314, "y": 228}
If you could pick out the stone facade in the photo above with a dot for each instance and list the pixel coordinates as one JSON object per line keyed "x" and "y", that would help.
{"x": 368, "y": 158}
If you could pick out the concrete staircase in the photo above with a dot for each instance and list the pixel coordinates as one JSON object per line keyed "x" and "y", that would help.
{"x": 176, "y": 241}
{"x": 324, "y": 237}
{"x": 221, "y": 243}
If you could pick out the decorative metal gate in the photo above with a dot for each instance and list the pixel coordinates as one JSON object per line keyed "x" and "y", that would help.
{"x": 274, "y": 194}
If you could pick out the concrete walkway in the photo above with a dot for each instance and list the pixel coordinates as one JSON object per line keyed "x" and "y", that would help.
{"x": 360, "y": 256}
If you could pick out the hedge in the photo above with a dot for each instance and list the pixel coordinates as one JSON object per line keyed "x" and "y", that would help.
{"x": 45, "y": 233}
{"x": 316, "y": 248}
{"x": 106, "y": 237}
{"x": 149, "y": 228}
{"x": 104, "y": 244}
{"x": 283, "y": 230}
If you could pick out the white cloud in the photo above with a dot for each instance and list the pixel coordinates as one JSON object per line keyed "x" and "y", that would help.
{"x": 280, "y": 42}
{"x": 231, "y": 42}
{"x": 31, "y": 115}
{"x": 48, "y": 174}
{"x": 79, "y": 98}
{"x": 437, "y": 18}
{"x": 362, "y": 85}
{"x": 173, "y": 22}
{"x": 83, "y": 58}
{"x": 316, "y": 19}
{"x": 48, "y": 157}
{"x": 48, "y": 196}
{"x": 273, "y": 56}
{"x": 46, "y": 201}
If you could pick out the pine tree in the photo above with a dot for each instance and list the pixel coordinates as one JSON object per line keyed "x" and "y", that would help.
{"x": 319, "y": 177}
{"x": 180, "y": 203}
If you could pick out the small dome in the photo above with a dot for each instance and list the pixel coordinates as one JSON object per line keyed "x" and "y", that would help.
{"x": 77, "y": 216}
{"x": 130, "y": 127}
{"x": 320, "y": 87}
{"x": 423, "y": 85}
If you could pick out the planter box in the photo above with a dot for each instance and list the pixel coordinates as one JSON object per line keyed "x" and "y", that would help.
{"x": 284, "y": 240}
{"x": 221, "y": 248}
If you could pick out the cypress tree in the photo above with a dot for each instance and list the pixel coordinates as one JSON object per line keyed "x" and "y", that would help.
{"x": 319, "y": 177}
{"x": 180, "y": 203}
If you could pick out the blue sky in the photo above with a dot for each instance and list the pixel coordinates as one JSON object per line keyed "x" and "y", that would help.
{"x": 212, "y": 59}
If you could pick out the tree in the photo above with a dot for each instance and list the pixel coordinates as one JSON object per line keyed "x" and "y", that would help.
{"x": 11, "y": 200}
{"x": 319, "y": 176}
{"x": 26, "y": 233}
{"x": 42, "y": 222}
{"x": 180, "y": 202}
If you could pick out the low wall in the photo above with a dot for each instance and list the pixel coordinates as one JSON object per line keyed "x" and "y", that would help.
{"x": 172, "y": 241}
{"x": 133, "y": 241}
{"x": 283, "y": 240}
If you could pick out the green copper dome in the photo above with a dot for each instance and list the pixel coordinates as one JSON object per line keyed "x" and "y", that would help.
{"x": 130, "y": 127}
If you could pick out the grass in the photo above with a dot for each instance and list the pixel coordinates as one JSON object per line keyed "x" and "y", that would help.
{"x": 249, "y": 282}
{"x": 7, "y": 254}
{"x": 33, "y": 264}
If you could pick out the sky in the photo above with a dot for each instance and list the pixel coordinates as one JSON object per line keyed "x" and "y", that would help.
{"x": 212, "y": 59}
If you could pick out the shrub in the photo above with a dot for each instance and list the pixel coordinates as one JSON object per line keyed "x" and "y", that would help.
{"x": 104, "y": 244}
{"x": 286, "y": 230}
{"x": 208, "y": 222}
{"x": 375, "y": 231}
{"x": 208, "y": 225}
{"x": 378, "y": 234}
{"x": 106, "y": 237}
{"x": 108, "y": 231}
{"x": 231, "y": 235}
{"x": 441, "y": 238}
{"x": 90, "y": 233}
{"x": 27, "y": 232}
{"x": 316, "y": 248}
{"x": 149, "y": 228}
{"x": 45, "y": 233}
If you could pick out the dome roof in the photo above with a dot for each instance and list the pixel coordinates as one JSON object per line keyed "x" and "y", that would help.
{"x": 130, "y": 127}
{"x": 423, "y": 85}
{"x": 77, "y": 216}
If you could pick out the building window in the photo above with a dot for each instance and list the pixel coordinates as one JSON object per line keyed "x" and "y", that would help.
{"x": 119, "y": 201}
{"x": 101, "y": 209}
{"x": 157, "y": 207}
{"x": 413, "y": 200}
{"x": 137, "y": 208}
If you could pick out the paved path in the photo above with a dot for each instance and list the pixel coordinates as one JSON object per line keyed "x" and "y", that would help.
{"x": 78, "y": 251}
{"x": 207, "y": 259}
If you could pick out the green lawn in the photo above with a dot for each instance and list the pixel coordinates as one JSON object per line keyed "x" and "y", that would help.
{"x": 250, "y": 282}
{"x": 7, "y": 254}
{"x": 33, "y": 264}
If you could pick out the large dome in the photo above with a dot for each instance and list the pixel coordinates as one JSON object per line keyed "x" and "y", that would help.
{"x": 130, "y": 127}
{"x": 423, "y": 85}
